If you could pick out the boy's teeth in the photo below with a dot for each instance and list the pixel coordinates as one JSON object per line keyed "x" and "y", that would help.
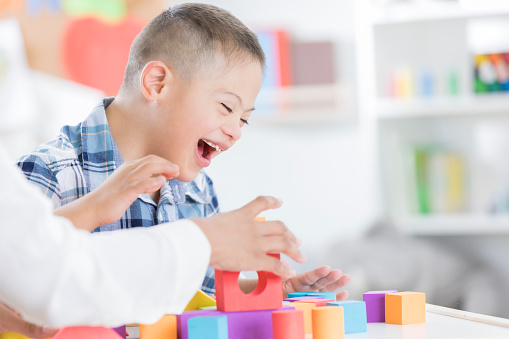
{"x": 217, "y": 148}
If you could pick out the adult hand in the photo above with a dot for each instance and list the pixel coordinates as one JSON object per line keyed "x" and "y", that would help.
{"x": 241, "y": 244}
{"x": 113, "y": 197}
{"x": 322, "y": 279}
{"x": 10, "y": 321}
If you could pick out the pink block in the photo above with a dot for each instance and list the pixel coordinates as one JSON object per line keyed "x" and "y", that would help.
{"x": 375, "y": 305}
{"x": 300, "y": 299}
{"x": 241, "y": 325}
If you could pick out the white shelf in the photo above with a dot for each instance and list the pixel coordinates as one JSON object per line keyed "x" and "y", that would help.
{"x": 303, "y": 104}
{"x": 430, "y": 11}
{"x": 458, "y": 224}
{"x": 420, "y": 108}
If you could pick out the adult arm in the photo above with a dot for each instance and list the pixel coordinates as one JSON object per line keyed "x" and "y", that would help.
{"x": 57, "y": 275}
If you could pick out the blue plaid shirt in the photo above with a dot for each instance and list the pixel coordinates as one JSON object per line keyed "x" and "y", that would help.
{"x": 83, "y": 156}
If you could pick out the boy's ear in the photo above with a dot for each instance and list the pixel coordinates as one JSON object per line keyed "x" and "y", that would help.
{"x": 154, "y": 77}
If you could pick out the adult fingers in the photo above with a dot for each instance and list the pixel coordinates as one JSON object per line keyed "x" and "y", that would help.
{"x": 20, "y": 326}
{"x": 270, "y": 228}
{"x": 271, "y": 264}
{"x": 281, "y": 244}
{"x": 260, "y": 204}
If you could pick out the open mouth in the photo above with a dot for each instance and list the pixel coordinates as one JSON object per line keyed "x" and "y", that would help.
{"x": 205, "y": 150}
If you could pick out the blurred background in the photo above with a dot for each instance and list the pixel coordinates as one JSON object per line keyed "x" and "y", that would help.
{"x": 382, "y": 124}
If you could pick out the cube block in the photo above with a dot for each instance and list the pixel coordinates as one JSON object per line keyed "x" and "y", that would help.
{"x": 375, "y": 305}
{"x": 354, "y": 313}
{"x": 405, "y": 308}
{"x": 214, "y": 327}
{"x": 306, "y": 308}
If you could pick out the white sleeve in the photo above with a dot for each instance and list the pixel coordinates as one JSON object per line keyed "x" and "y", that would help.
{"x": 57, "y": 275}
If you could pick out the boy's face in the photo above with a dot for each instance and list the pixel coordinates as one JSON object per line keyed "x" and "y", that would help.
{"x": 203, "y": 118}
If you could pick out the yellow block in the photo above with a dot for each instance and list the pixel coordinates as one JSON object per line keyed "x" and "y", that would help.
{"x": 200, "y": 299}
{"x": 165, "y": 328}
{"x": 405, "y": 308}
{"x": 12, "y": 335}
{"x": 306, "y": 308}
{"x": 328, "y": 322}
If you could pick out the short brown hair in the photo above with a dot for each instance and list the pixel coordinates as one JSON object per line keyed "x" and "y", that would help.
{"x": 188, "y": 37}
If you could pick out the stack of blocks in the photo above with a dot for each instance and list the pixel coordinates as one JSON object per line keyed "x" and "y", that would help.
{"x": 264, "y": 314}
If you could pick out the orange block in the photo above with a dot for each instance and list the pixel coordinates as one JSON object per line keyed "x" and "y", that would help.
{"x": 288, "y": 324}
{"x": 267, "y": 295}
{"x": 306, "y": 308}
{"x": 165, "y": 328}
{"x": 405, "y": 308}
{"x": 318, "y": 302}
{"x": 328, "y": 322}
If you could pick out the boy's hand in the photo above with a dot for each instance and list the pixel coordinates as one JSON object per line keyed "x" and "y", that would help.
{"x": 114, "y": 196}
{"x": 241, "y": 244}
{"x": 322, "y": 279}
{"x": 10, "y": 321}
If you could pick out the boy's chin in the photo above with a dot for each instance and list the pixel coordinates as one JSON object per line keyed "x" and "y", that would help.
{"x": 188, "y": 177}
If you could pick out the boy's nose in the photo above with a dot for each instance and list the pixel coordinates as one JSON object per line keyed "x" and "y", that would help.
{"x": 232, "y": 129}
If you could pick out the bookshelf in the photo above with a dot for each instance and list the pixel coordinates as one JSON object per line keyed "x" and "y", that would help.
{"x": 399, "y": 48}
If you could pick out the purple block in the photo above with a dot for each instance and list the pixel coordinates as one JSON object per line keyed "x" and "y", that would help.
{"x": 375, "y": 305}
{"x": 241, "y": 325}
{"x": 121, "y": 331}
{"x": 300, "y": 298}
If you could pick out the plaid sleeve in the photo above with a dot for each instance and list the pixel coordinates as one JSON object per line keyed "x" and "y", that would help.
{"x": 40, "y": 173}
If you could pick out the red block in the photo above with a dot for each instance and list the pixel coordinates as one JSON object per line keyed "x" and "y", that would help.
{"x": 86, "y": 332}
{"x": 288, "y": 324}
{"x": 267, "y": 295}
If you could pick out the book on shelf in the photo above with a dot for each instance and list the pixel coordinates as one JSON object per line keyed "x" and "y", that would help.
{"x": 434, "y": 180}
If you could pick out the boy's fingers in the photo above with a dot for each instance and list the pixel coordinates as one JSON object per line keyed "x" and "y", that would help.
{"x": 149, "y": 185}
{"x": 314, "y": 276}
{"x": 339, "y": 283}
{"x": 260, "y": 204}
{"x": 153, "y": 166}
{"x": 281, "y": 244}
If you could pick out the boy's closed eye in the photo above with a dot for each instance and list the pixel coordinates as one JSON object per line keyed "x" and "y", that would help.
{"x": 243, "y": 121}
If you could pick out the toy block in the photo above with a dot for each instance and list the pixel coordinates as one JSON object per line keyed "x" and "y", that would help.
{"x": 200, "y": 299}
{"x": 12, "y": 335}
{"x": 268, "y": 294}
{"x": 306, "y": 308}
{"x": 300, "y": 298}
{"x": 86, "y": 332}
{"x": 354, "y": 315}
{"x": 324, "y": 295}
{"x": 215, "y": 327}
{"x": 375, "y": 305}
{"x": 405, "y": 308}
{"x": 288, "y": 324}
{"x": 208, "y": 308}
{"x": 328, "y": 322}
{"x": 165, "y": 328}
{"x": 121, "y": 330}
{"x": 241, "y": 325}
{"x": 318, "y": 302}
